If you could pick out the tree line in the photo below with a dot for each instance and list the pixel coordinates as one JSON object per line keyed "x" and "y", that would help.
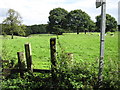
{"x": 60, "y": 21}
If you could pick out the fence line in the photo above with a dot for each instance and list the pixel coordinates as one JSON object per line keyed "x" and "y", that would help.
{"x": 24, "y": 67}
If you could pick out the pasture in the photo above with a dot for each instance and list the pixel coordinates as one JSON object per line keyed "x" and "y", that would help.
{"x": 85, "y": 48}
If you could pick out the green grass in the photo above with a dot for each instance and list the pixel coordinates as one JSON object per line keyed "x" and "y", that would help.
{"x": 84, "y": 47}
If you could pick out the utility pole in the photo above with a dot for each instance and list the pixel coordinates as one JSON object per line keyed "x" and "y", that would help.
{"x": 119, "y": 16}
{"x": 101, "y": 3}
{"x": 118, "y": 37}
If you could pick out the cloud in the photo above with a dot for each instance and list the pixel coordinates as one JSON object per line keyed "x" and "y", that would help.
{"x": 112, "y": 8}
{"x": 37, "y": 11}
{"x": 3, "y": 13}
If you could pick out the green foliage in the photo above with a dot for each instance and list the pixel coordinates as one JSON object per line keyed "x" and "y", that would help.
{"x": 82, "y": 74}
{"x": 111, "y": 23}
{"x": 92, "y": 26}
{"x": 78, "y": 20}
{"x": 56, "y": 22}
{"x": 27, "y": 83}
{"x": 12, "y": 24}
{"x": 74, "y": 75}
{"x": 36, "y": 29}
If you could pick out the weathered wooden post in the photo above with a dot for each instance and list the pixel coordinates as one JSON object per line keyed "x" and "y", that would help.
{"x": 28, "y": 55}
{"x": 21, "y": 63}
{"x": 53, "y": 58}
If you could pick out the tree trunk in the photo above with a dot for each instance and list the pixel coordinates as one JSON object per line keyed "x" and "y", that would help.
{"x": 12, "y": 36}
{"x": 85, "y": 31}
{"x": 77, "y": 31}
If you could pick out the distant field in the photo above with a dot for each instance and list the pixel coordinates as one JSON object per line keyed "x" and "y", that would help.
{"x": 84, "y": 47}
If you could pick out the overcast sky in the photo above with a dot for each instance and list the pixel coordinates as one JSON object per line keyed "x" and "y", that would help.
{"x": 37, "y": 11}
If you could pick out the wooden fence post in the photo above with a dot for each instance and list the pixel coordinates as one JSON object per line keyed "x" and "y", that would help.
{"x": 21, "y": 63}
{"x": 28, "y": 55}
{"x": 53, "y": 58}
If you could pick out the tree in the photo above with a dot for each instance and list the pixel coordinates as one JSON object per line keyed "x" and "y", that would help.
{"x": 111, "y": 23}
{"x": 12, "y": 24}
{"x": 92, "y": 26}
{"x": 78, "y": 20}
{"x": 36, "y": 29}
{"x": 57, "y": 19}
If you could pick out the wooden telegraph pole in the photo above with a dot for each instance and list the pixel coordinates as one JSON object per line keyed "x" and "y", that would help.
{"x": 101, "y": 3}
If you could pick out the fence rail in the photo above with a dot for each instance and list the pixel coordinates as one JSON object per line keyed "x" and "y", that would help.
{"x": 25, "y": 70}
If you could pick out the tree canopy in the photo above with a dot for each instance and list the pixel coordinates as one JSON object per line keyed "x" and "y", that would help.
{"x": 111, "y": 23}
{"x": 78, "y": 20}
{"x": 57, "y": 20}
{"x": 13, "y": 23}
{"x": 36, "y": 29}
{"x": 60, "y": 20}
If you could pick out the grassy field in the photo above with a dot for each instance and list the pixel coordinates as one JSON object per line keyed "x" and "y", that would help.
{"x": 84, "y": 47}
{"x": 84, "y": 71}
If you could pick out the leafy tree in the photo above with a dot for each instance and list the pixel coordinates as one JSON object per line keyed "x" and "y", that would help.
{"x": 78, "y": 20}
{"x": 111, "y": 23}
{"x": 57, "y": 19}
{"x": 36, "y": 29}
{"x": 92, "y": 26}
{"x": 12, "y": 23}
